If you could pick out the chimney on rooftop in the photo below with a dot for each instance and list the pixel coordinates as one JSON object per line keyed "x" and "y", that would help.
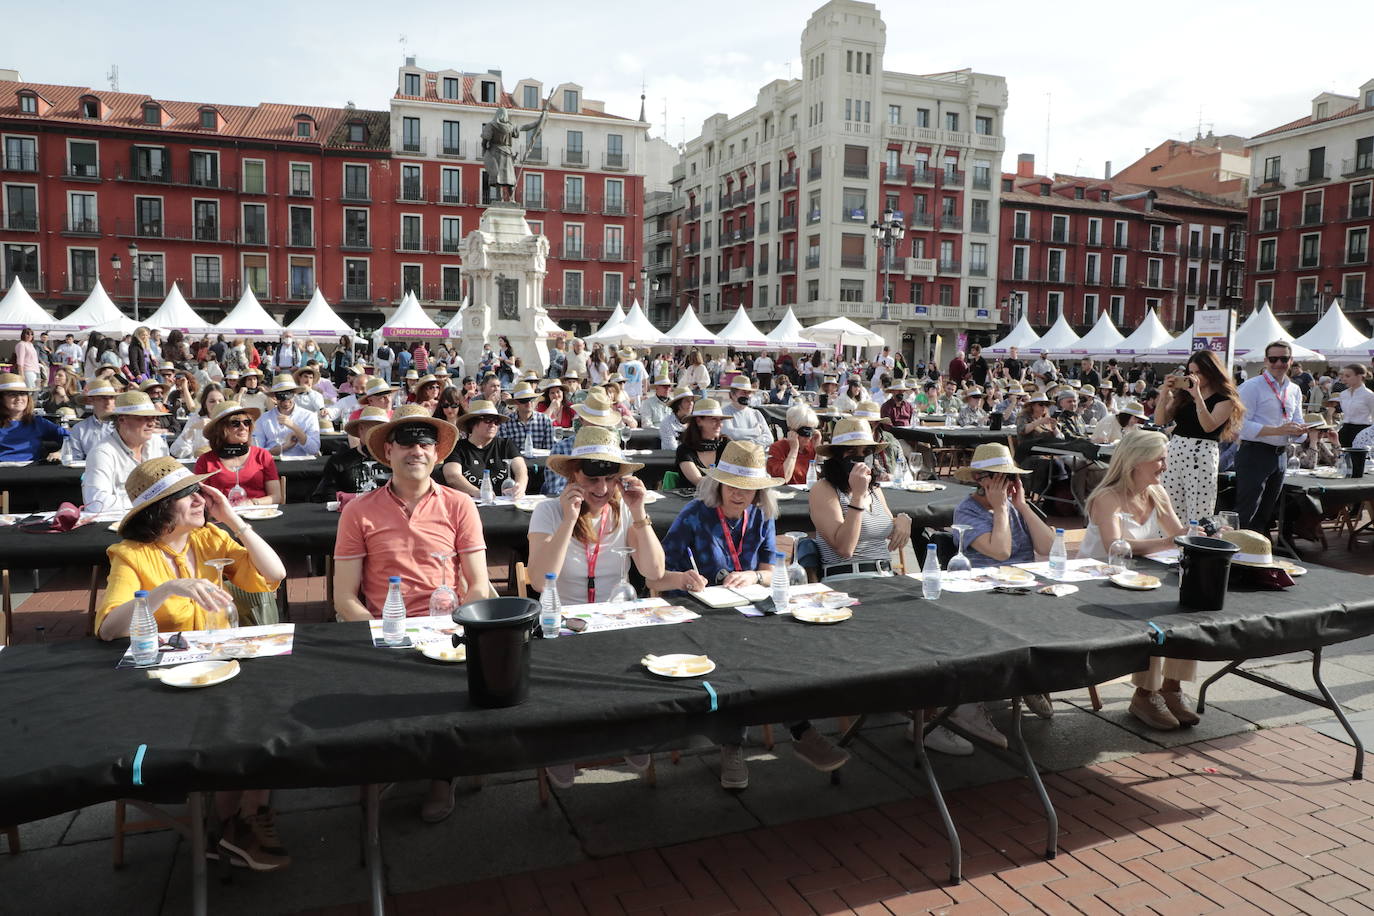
{"x": 1107, "y": 169}
{"x": 1025, "y": 165}
{"x": 410, "y": 60}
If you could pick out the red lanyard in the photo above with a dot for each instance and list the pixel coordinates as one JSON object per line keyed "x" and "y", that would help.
{"x": 1283, "y": 405}
{"x": 593, "y": 553}
{"x": 730, "y": 541}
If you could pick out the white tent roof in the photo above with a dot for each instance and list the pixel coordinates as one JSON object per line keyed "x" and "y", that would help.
{"x": 18, "y": 311}
{"x": 607, "y": 332}
{"x": 175, "y": 313}
{"x": 248, "y": 318}
{"x": 1023, "y": 337}
{"x": 844, "y": 332}
{"x": 118, "y": 326}
{"x": 410, "y": 320}
{"x": 454, "y": 328}
{"x": 1334, "y": 335}
{"x": 690, "y": 332}
{"x": 317, "y": 318}
{"x": 639, "y": 329}
{"x": 788, "y": 334}
{"x": 1060, "y": 338}
{"x": 1259, "y": 330}
{"x": 1177, "y": 350}
{"x": 1151, "y": 336}
{"x": 1103, "y": 335}
{"x": 741, "y": 333}
{"x": 96, "y": 309}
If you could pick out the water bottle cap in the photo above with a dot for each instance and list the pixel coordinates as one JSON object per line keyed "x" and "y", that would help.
{"x": 140, "y": 594}
{"x": 394, "y": 580}
{"x": 549, "y": 577}
{"x": 779, "y": 555}
{"x": 930, "y": 548}
{"x": 1058, "y": 532}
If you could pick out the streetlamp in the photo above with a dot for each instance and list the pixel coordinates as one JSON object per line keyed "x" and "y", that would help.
{"x": 115, "y": 264}
{"x": 136, "y": 267}
{"x": 887, "y": 233}
{"x": 1326, "y": 297}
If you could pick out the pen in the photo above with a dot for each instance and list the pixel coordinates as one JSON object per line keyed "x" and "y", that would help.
{"x": 691, "y": 557}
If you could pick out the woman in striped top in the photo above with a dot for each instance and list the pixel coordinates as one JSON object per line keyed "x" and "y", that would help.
{"x": 856, "y": 530}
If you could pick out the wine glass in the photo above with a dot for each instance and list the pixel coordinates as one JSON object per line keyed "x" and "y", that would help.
{"x": 915, "y": 463}
{"x": 1119, "y": 552}
{"x": 959, "y": 562}
{"x": 443, "y": 601}
{"x": 624, "y": 592}
{"x": 1294, "y": 462}
{"x": 217, "y": 619}
{"x": 796, "y": 574}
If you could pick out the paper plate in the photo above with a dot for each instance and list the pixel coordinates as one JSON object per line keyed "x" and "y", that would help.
{"x": 810, "y": 613}
{"x": 680, "y": 665}
{"x": 199, "y": 674}
{"x": 784, "y": 494}
{"x": 257, "y": 515}
{"x": 527, "y": 503}
{"x": 652, "y": 496}
{"x": 1011, "y": 575}
{"x": 1292, "y": 569}
{"x": 444, "y": 652}
{"x": 1136, "y": 581}
{"x": 923, "y": 487}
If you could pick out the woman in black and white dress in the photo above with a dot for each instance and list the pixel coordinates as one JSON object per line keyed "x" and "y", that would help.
{"x": 1204, "y": 408}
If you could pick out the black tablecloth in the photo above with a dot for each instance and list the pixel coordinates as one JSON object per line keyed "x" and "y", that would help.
{"x": 958, "y": 437}
{"x": 340, "y": 712}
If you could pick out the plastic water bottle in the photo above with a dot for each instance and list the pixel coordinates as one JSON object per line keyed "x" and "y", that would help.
{"x": 780, "y": 582}
{"x": 143, "y": 631}
{"x": 394, "y": 614}
{"x": 1194, "y": 529}
{"x": 527, "y": 449}
{"x": 811, "y": 472}
{"x": 930, "y": 574}
{"x": 550, "y": 608}
{"x": 1059, "y": 556}
{"x": 66, "y": 455}
{"x": 486, "y": 496}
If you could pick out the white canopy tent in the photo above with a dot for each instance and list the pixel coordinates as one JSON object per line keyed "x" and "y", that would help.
{"x": 318, "y": 319}
{"x": 843, "y": 332}
{"x": 174, "y": 313}
{"x": 18, "y": 311}
{"x": 641, "y": 330}
{"x": 788, "y": 334}
{"x": 249, "y": 319}
{"x": 1176, "y": 350}
{"x": 607, "y": 332}
{"x": 1023, "y": 337}
{"x": 454, "y": 328}
{"x": 1059, "y": 339}
{"x": 1261, "y": 329}
{"x": 1334, "y": 336}
{"x": 1150, "y": 336}
{"x": 741, "y": 333}
{"x": 1102, "y": 335}
{"x": 689, "y": 332}
{"x": 96, "y": 309}
{"x": 118, "y": 326}
{"x": 410, "y": 322}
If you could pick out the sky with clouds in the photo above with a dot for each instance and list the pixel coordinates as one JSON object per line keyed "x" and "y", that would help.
{"x": 1112, "y": 83}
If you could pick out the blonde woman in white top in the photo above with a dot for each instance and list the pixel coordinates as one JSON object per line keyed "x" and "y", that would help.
{"x": 1357, "y": 404}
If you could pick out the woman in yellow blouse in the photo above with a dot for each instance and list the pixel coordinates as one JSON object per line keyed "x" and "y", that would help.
{"x": 167, "y": 541}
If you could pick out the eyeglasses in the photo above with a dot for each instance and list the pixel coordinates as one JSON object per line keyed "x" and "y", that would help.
{"x": 493, "y": 420}
{"x": 595, "y": 467}
{"x": 192, "y": 490}
{"x": 239, "y": 423}
{"x": 1278, "y": 359}
{"x": 414, "y": 434}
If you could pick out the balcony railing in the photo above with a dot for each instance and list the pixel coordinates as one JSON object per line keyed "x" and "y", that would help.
{"x": 357, "y": 292}
{"x": 574, "y": 203}
{"x": 572, "y": 252}
{"x": 574, "y": 156}
{"x": 409, "y": 242}
{"x": 452, "y": 149}
{"x": 922, "y": 219}
{"x": 302, "y": 189}
{"x": 414, "y": 192}
{"x": 1358, "y": 166}
{"x": 813, "y": 173}
{"x": 1305, "y": 261}
{"x": 1061, "y": 237}
{"x": 900, "y": 174}
{"x": 617, "y": 253}
{"x": 83, "y": 171}
{"x": 613, "y": 207}
{"x": 21, "y": 222}
{"x": 1358, "y": 210}
{"x": 787, "y": 265}
{"x": 853, "y": 260}
{"x": 205, "y": 290}
{"x": 301, "y": 238}
{"x": 982, "y": 181}
{"x": 1311, "y": 215}
{"x": 978, "y": 270}
{"x": 450, "y": 244}
{"x": 787, "y": 221}
{"x": 356, "y": 194}
{"x": 764, "y": 226}
{"x": 1308, "y": 175}
{"x": 949, "y": 265}
{"x": 356, "y": 242}
{"x": 949, "y": 222}
{"x": 813, "y": 261}
{"x": 1268, "y": 182}
{"x": 952, "y": 178}
{"x": 413, "y": 144}
{"x": 922, "y": 174}
{"x": 813, "y": 217}
{"x": 617, "y": 162}
{"x": 1161, "y": 246}
{"x": 537, "y": 155}
{"x": 207, "y": 231}
{"x": 980, "y": 225}
{"x": 21, "y": 162}
{"x": 787, "y": 180}
{"x": 83, "y": 225}
{"x": 536, "y": 201}
{"x": 856, "y": 170}
{"x": 456, "y": 196}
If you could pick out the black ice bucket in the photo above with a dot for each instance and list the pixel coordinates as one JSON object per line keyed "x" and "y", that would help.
{"x": 1204, "y": 566}
{"x": 497, "y": 632}
{"x": 1356, "y": 457}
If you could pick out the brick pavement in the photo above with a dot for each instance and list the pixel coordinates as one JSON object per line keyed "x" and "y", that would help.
{"x": 1264, "y": 822}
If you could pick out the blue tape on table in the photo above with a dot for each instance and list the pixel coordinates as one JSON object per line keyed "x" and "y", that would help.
{"x": 1159, "y": 633}
{"x": 715, "y": 702}
{"x": 138, "y": 764}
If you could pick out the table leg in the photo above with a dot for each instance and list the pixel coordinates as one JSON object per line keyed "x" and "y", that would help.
{"x": 1340, "y": 714}
{"x": 195, "y": 809}
{"x": 956, "y": 857}
{"x": 1033, "y": 774}
{"x": 1202, "y": 691}
{"x": 372, "y": 845}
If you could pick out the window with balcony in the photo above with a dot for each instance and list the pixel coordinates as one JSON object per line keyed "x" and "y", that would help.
{"x": 302, "y": 227}
{"x": 411, "y": 276}
{"x": 451, "y": 234}
{"x": 1019, "y": 256}
{"x": 1272, "y": 169}
{"x": 982, "y": 175}
{"x": 1156, "y": 238}
{"x": 451, "y": 139}
{"x": 573, "y": 198}
{"x": 1054, "y": 272}
{"x": 254, "y": 176}
{"x": 412, "y": 86}
{"x": 851, "y": 290}
{"x": 453, "y": 88}
{"x": 1310, "y": 254}
{"x": 205, "y": 272}
{"x": 1312, "y": 208}
{"x": 154, "y": 274}
{"x": 21, "y": 261}
{"x": 1268, "y": 254}
{"x": 410, "y": 135}
{"x": 947, "y": 259}
{"x": 1316, "y": 163}
{"x": 813, "y": 290}
{"x": 615, "y": 151}
{"x": 1357, "y": 246}
{"x": 356, "y": 286}
{"x": 1264, "y": 292}
{"x": 411, "y": 233}
{"x": 572, "y": 241}
{"x": 853, "y": 248}
{"x": 355, "y": 229}
{"x": 1059, "y": 228}
{"x": 206, "y": 217}
{"x": 355, "y": 182}
{"x": 1118, "y": 270}
{"x": 572, "y": 151}
{"x": 615, "y": 243}
{"x": 982, "y": 125}
{"x": 81, "y": 213}
{"x": 952, "y": 120}
{"x": 855, "y": 205}
{"x": 411, "y": 188}
{"x": 978, "y": 259}
{"x": 83, "y": 159}
{"x": 1359, "y": 200}
{"x": 1094, "y": 231}
{"x": 1020, "y": 225}
{"x": 1091, "y": 269}
{"x": 1120, "y": 229}
{"x": 83, "y": 269}
{"x": 254, "y": 224}
{"x": 301, "y": 277}
{"x": 204, "y": 169}
{"x": 452, "y": 283}
{"x": 148, "y": 216}
{"x": 1307, "y": 294}
{"x": 150, "y": 163}
{"x": 615, "y": 197}
{"x": 1154, "y": 273}
{"x": 534, "y": 191}
{"x": 813, "y": 170}
{"x": 302, "y": 180}
{"x": 572, "y": 287}
{"x": 1364, "y": 156}
{"x": 1269, "y": 214}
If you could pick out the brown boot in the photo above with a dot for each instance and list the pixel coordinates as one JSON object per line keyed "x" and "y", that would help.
{"x": 1178, "y": 705}
{"x": 1150, "y": 709}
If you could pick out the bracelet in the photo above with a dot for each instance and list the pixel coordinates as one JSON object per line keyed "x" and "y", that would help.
{"x": 243, "y": 529}
{"x": 645, "y": 522}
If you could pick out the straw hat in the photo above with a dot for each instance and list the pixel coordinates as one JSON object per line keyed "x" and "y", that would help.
{"x": 523, "y": 392}
{"x": 1063, "y": 393}
{"x": 1015, "y": 388}
{"x": 849, "y": 433}
{"x": 134, "y": 404}
{"x": 226, "y": 409}
{"x": 165, "y": 366}
{"x": 707, "y": 407}
{"x": 255, "y": 373}
{"x": 1255, "y": 549}
{"x": 441, "y": 372}
{"x": 284, "y": 382}
{"x": 98, "y": 388}
{"x": 153, "y": 481}
{"x": 412, "y": 414}
{"x": 1087, "y": 391}
{"x": 1074, "y": 383}
{"x": 867, "y": 411}
{"x": 593, "y": 443}
{"x": 412, "y": 374}
{"x": 572, "y": 373}
{"x": 830, "y": 380}
{"x": 627, "y": 353}
{"x": 529, "y": 375}
{"x": 309, "y": 367}
{"x": 742, "y": 383}
{"x": 992, "y": 458}
{"x": 376, "y": 385}
{"x": 477, "y": 409}
{"x": 618, "y": 378}
{"x": 663, "y": 380}
{"x": 548, "y": 383}
{"x": 151, "y": 383}
{"x": 742, "y": 465}
{"x": 973, "y": 393}
{"x": 364, "y": 416}
{"x": 680, "y": 392}
{"x": 1133, "y": 409}
{"x": 232, "y": 375}
{"x": 357, "y": 369}
{"x": 1315, "y": 421}
{"x": 66, "y": 413}
{"x": 1037, "y": 398}
{"x": 898, "y": 385}
{"x": 598, "y": 410}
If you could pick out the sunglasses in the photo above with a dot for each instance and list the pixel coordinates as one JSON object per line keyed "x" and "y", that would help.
{"x": 1278, "y": 359}
{"x": 285, "y": 396}
{"x": 414, "y": 435}
{"x": 595, "y": 467}
{"x": 240, "y": 423}
{"x": 496, "y": 421}
{"x": 192, "y": 490}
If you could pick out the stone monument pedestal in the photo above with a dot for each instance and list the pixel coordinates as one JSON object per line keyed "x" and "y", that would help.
{"x": 505, "y": 265}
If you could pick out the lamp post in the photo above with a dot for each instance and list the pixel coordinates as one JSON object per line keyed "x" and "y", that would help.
{"x": 136, "y": 267}
{"x": 1326, "y": 297}
{"x": 887, "y": 233}
{"x": 115, "y": 265}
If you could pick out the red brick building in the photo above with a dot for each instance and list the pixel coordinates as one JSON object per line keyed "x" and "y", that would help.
{"x": 1079, "y": 246}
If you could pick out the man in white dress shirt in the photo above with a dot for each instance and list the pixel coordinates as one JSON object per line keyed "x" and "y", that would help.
{"x": 744, "y": 423}
{"x": 133, "y": 440}
{"x": 100, "y": 396}
{"x": 288, "y": 430}
{"x": 1273, "y": 419}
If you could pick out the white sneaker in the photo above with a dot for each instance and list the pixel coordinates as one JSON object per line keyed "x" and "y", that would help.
{"x": 734, "y": 772}
{"x": 973, "y": 718}
{"x": 944, "y": 741}
{"x": 820, "y": 751}
{"x": 1039, "y": 703}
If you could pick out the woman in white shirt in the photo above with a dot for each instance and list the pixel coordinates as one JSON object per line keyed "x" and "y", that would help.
{"x": 192, "y": 442}
{"x": 694, "y": 375}
{"x": 1357, "y": 404}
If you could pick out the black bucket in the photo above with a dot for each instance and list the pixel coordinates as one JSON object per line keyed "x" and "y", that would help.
{"x": 1204, "y": 570}
{"x": 497, "y": 633}
{"x": 1356, "y": 457}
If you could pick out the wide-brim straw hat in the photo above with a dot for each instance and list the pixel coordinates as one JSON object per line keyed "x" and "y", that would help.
{"x": 226, "y": 409}
{"x": 425, "y": 379}
{"x": 627, "y": 353}
{"x": 134, "y": 404}
{"x": 476, "y": 410}
{"x": 1133, "y": 409}
{"x": 593, "y": 443}
{"x": 663, "y": 380}
{"x": 867, "y": 411}
{"x": 284, "y": 382}
{"x": 572, "y": 374}
{"x": 412, "y": 374}
{"x": 153, "y": 382}
{"x": 523, "y": 392}
{"x": 1255, "y": 549}
{"x": 1087, "y": 391}
{"x": 991, "y": 458}
{"x": 743, "y": 465}
{"x": 972, "y": 393}
{"x": 742, "y": 383}
{"x": 680, "y": 393}
{"x": 598, "y": 410}
{"x": 849, "y": 433}
{"x": 441, "y": 372}
{"x": 357, "y": 369}
{"x": 898, "y": 385}
{"x": 153, "y": 481}
{"x": 548, "y": 383}
{"x": 1037, "y": 398}
{"x": 377, "y": 385}
{"x": 1315, "y": 421}
{"x": 412, "y": 414}
{"x": 311, "y": 368}
{"x": 707, "y": 407}
{"x": 830, "y": 379}
{"x": 254, "y": 373}
{"x": 98, "y": 388}
{"x": 365, "y": 416}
